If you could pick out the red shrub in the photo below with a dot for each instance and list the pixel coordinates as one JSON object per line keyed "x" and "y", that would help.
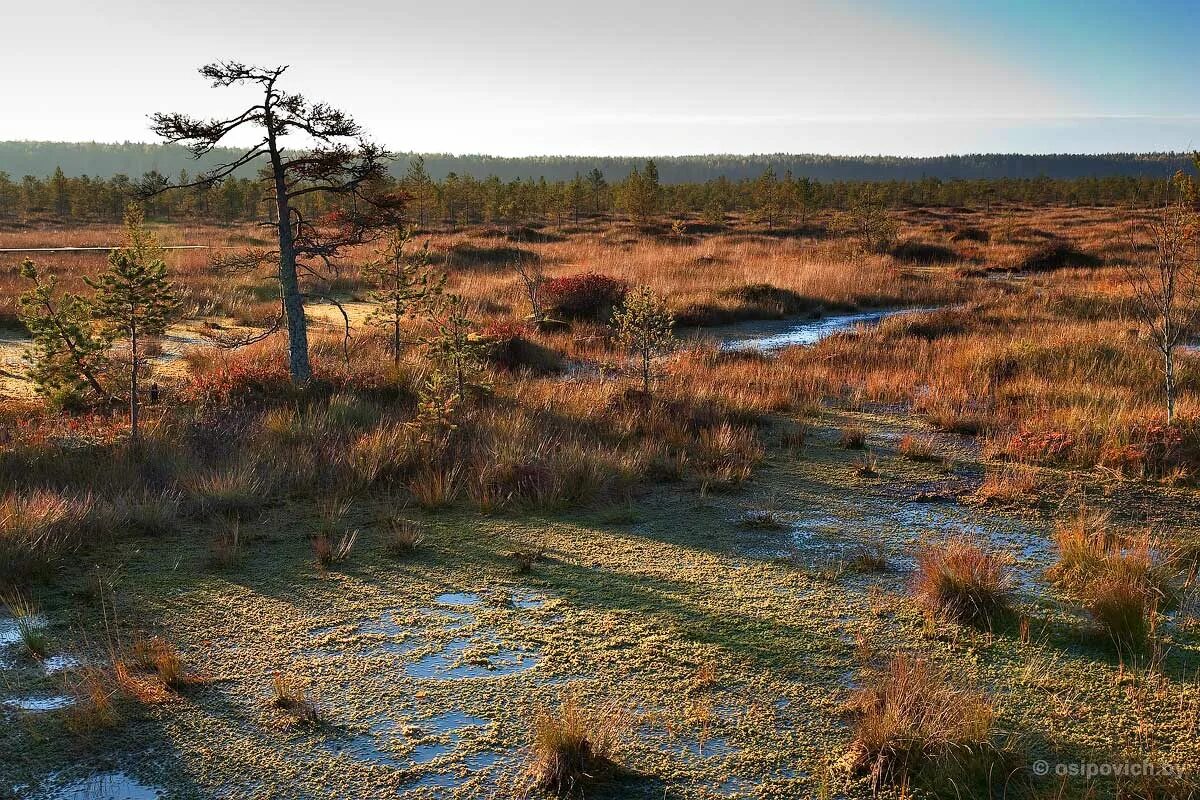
{"x": 237, "y": 378}
{"x": 1040, "y": 447}
{"x": 1151, "y": 450}
{"x": 588, "y": 295}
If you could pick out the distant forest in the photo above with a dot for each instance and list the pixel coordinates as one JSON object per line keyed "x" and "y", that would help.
{"x": 97, "y": 160}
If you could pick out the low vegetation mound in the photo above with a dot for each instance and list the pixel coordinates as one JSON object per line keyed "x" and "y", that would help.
{"x": 961, "y": 580}
{"x": 1054, "y": 256}
{"x": 585, "y": 296}
{"x": 924, "y": 253}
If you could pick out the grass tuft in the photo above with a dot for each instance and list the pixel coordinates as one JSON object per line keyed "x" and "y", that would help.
{"x": 912, "y": 722}
{"x": 289, "y": 695}
{"x": 573, "y": 748}
{"x": 961, "y": 580}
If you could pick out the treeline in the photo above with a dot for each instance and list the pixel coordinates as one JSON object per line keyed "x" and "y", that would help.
{"x": 463, "y": 199}
{"x": 130, "y": 158}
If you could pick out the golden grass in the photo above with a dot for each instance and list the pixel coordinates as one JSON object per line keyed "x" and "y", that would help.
{"x": 960, "y": 579}
{"x": 290, "y": 695}
{"x": 573, "y": 748}
{"x": 910, "y": 721}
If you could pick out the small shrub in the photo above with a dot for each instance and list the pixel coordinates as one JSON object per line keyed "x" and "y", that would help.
{"x": 588, "y": 295}
{"x": 1056, "y": 255}
{"x": 509, "y": 347}
{"x": 911, "y": 722}
{"x": 970, "y": 234}
{"x": 923, "y": 253}
{"x": 960, "y": 579}
{"x": 572, "y": 749}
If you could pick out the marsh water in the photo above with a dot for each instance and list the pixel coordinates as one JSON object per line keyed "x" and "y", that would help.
{"x": 770, "y": 335}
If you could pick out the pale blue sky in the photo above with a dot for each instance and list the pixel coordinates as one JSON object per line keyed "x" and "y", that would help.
{"x": 909, "y": 77}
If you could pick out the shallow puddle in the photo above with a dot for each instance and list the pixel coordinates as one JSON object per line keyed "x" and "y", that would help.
{"x": 60, "y": 663}
{"x": 454, "y": 661}
{"x": 37, "y": 705}
{"x": 524, "y": 598}
{"x": 458, "y": 599}
{"x": 768, "y": 336}
{"x": 107, "y": 786}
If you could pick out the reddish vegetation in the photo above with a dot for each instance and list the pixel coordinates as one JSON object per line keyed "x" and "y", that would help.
{"x": 588, "y": 295}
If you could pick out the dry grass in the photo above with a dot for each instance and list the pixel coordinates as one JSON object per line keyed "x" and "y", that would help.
{"x": 37, "y": 525}
{"x": 911, "y": 722}
{"x": 915, "y": 449}
{"x": 333, "y": 542}
{"x": 94, "y": 692}
{"x": 29, "y": 625}
{"x": 402, "y": 536}
{"x": 226, "y": 550}
{"x": 1009, "y": 486}
{"x": 1044, "y": 368}
{"x": 573, "y": 748}
{"x": 963, "y": 581}
{"x": 853, "y": 437}
{"x": 866, "y": 465}
{"x": 290, "y": 695}
{"x": 157, "y": 656}
{"x": 1123, "y": 580}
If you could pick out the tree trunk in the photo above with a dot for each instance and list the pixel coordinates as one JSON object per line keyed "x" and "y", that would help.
{"x": 396, "y": 341}
{"x": 1169, "y": 369}
{"x": 293, "y": 300}
{"x": 133, "y": 385}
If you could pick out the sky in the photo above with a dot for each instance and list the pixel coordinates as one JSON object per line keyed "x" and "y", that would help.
{"x": 632, "y": 77}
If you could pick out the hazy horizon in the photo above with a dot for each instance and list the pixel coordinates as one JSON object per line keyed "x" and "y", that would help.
{"x": 897, "y": 77}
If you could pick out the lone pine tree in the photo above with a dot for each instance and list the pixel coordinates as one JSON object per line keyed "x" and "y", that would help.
{"x": 341, "y": 165}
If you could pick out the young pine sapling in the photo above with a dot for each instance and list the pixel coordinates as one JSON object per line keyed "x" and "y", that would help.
{"x": 403, "y": 282}
{"x": 645, "y": 328}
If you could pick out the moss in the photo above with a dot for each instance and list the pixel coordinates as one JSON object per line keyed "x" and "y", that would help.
{"x": 635, "y": 604}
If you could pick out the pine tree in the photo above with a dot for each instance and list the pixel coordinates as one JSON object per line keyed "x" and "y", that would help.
{"x": 68, "y": 359}
{"x": 644, "y": 327}
{"x": 60, "y": 193}
{"x": 403, "y": 282}
{"x": 455, "y": 348}
{"x": 597, "y": 186}
{"x": 134, "y": 299}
